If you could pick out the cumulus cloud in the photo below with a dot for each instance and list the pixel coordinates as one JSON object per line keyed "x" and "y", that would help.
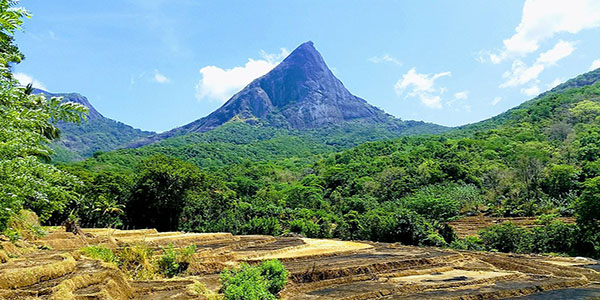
{"x": 561, "y": 50}
{"x": 496, "y": 100}
{"x": 25, "y": 79}
{"x": 386, "y": 58}
{"x": 520, "y": 73}
{"x": 461, "y": 95}
{"x": 160, "y": 78}
{"x": 542, "y": 19}
{"x": 533, "y": 90}
{"x": 220, "y": 84}
{"x": 595, "y": 65}
{"x": 421, "y": 86}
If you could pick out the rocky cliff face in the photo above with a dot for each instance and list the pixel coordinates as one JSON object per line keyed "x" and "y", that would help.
{"x": 300, "y": 93}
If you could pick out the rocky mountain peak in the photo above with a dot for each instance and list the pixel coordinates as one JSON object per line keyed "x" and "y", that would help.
{"x": 299, "y": 93}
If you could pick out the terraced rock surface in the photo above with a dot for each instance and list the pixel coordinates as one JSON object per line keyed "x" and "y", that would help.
{"x": 319, "y": 269}
{"x": 471, "y": 225}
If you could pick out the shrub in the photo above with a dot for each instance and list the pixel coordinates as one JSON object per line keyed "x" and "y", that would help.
{"x": 174, "y": 262}
{"x": 245, "y": 283}
{"x": 392, "y": 224}
{"x": 167, "y": 264}
{"x": 307, "y": 228}
{"x": 262, "y": 225}
{"x": 23, "y": 225}
{"x": 262, "y": 282}
{"x": 506, "y": 237}
{"x": 473, "y": 243}
{"x": 556, "y": 237}
{"x": 275, "y": 274}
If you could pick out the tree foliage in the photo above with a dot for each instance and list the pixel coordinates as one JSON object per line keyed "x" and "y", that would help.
{"x": 27, "y": 125}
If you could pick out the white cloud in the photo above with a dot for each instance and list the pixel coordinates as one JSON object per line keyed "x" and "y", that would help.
{"x": 25, "y": 79}
{"x": 554, "y": 83}
{"x": 385, "y": 58}
{"x": 534, "y": 90}
{"x": 220, "y": 84}
{"x": 595, "y": 65}
{"x": 542, "y": 19}
{"x": 275, "y": 57}
{"x": 561, "y": 50}
{"x": 461, "y": 95}
{"x": 160, "y": 78}
{"x": 496, "y": 100}
{"x": 521, "y": 74}
{"x": 422, "y": 86}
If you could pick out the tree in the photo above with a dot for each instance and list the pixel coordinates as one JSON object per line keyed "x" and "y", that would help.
{"x": 158, "y": 196}
{"x": 26, "y": 127}
{"x": 588, "y": 215}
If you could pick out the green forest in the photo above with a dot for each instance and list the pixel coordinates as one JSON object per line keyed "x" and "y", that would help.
{"x": 539, "y": 159}
{"x": 353, "y": 180}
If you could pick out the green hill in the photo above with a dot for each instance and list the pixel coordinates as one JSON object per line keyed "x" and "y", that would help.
{"x": 97, "y": 133}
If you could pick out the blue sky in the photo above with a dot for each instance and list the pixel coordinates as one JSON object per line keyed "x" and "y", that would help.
{"x": 158, "y": 64}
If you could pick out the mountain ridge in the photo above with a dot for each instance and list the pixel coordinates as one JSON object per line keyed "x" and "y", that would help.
{"x": 97, "y": 133}
{"x": 300, "y": 93}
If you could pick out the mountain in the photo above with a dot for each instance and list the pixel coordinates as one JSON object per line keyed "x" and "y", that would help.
{"x": 98, "y": 133}
{"x": 529, "y": 107}
{"x": 300, "y": 93}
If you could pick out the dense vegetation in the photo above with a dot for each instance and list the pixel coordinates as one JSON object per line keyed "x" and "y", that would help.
{"x": 80, "y": 141}
{"x": 264, "y": 281}
{"x": 97, "y": 133}
{"x": 539, "y": 158}
{"x": 26, "y": 126}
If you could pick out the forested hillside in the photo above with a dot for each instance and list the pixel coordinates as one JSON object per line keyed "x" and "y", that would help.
{"x": 97, "y": 133}
{"x": 346, "y": 180}
{"x": 538, "y": 159}
{"x": 236, "y": 142}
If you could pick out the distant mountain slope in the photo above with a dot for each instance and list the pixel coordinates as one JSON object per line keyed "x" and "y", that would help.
{"x": 299, "y": 93}
{"x": 98, "y": 133}
{"x": 586, "y": 79}
{"x": 237, "y": 142}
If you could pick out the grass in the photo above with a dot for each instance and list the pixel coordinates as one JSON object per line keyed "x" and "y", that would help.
{"x": 142, "y": 263}
{"x": 101, "y": 253}
{"x": 199, "y": 289}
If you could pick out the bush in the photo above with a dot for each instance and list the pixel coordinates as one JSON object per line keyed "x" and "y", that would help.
{"x": 275, "y": 274}
{"x": 506, "y": 237}
{"x": 262, "y": 282}
{"x": 555, "y": 237}
{"x": 262, "y": 225}
{"x": 245, "y": 283}
{"x": 174, "y": 262}
{"x": 472, "y": 243}
{"x": 23, "y": 225}
{"x": 588, "y": 217}
{"x": 443, "y": 201}
{"x": 167, "y": 264}
{"x": 307, "y": 228}
{"x": 392, "y": 224}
